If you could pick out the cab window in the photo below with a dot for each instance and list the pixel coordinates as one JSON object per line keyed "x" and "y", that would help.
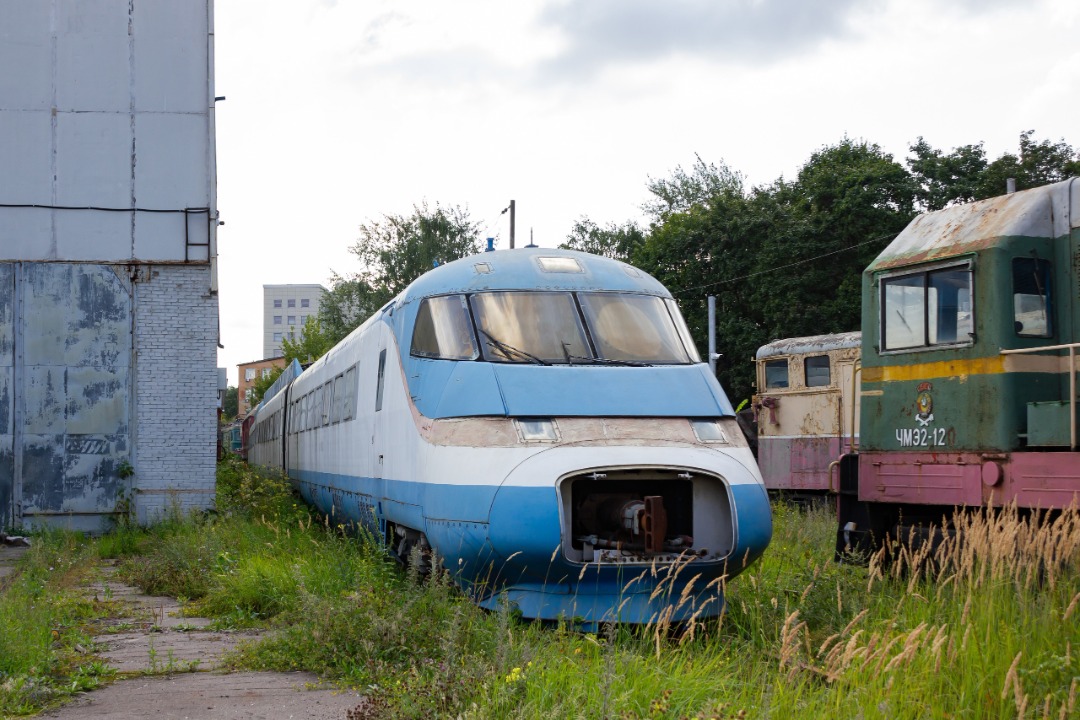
{"x": 927, "y": 308}
{"x": 443, "y": 329}
{"x": 1031, "y": 297}
{"x": 776, "y": 374}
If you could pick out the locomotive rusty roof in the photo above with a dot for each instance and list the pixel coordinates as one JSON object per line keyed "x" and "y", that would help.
{"x": 812, "y": 343}
{"x": 1047, "y": 211}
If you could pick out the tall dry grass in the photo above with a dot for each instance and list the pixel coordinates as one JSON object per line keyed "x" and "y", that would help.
{"x": 983, "y": 621}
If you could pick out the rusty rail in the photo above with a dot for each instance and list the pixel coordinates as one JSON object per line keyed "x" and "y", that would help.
{"x": 1071, "y": 347}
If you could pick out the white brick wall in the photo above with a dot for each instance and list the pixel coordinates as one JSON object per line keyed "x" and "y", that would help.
{"x": 176, "y": 335}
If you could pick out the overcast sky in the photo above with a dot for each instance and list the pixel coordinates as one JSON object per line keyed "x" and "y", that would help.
{"x": 341, "y": 111}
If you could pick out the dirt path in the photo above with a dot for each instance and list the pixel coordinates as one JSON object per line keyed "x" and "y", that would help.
{"x": 8, "y": 557}
{"x": 172, "y": 668}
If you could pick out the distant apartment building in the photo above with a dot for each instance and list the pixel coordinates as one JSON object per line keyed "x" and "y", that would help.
{"x": 285, "y": 310}
{"x": 250, "y": 372}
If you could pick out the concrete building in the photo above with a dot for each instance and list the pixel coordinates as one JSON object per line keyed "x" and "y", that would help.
{"x": 108, "y": 295}
{"x": 250, "y": 372}
{"x": 285, "y": 310}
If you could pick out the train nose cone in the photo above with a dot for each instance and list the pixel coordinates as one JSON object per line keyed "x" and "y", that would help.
{"x": 525, "y": 523}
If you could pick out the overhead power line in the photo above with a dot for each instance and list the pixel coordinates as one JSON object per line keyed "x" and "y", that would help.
{"x": 783, "y": 267}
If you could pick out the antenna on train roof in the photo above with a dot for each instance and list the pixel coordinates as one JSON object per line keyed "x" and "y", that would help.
{"x": 531, "y": 243}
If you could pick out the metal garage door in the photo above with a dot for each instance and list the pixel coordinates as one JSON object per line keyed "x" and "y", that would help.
{"x": 65, "y": 357}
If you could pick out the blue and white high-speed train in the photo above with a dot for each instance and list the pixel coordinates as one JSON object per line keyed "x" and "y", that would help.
{"x": 541, "y": 420}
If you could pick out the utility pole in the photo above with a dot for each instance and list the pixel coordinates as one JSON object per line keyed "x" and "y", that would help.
{"x": 712, "y": 335}
{"x": 513, "y": 210}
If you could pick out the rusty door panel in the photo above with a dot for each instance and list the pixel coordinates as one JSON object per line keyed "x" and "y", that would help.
{"x": 73, "y": 374}
{"x": 7, "y": 394}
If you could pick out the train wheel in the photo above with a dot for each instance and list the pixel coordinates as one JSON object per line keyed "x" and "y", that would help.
{"x": 410, "y": 548}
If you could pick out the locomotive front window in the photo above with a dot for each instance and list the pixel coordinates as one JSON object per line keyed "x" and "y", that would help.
{"x": 1031, "y": 297}
{"x": 926, "y": 309}
{"x": 684, "y": 331}
{"x": 529, "y": 327}
{"x": 776, "y": 374}
{"x": 632, "y": 328}
{"x": 443, "y": 329}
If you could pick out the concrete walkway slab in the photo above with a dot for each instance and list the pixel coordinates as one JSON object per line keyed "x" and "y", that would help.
{"x": 195, "y": 696}
{"x": 167, "y": 658}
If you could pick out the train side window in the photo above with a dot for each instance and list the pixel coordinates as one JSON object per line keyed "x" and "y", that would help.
{"x": 1031, "y": 297}
{"x": 817, "y": 371}
{"x": 327, "y": 400}
{"x": 339, "y": 399}
{"x": 443, "y": 329}
{"x": 379, "y": 385}
{"x": 776, "y": 374}
{"x": 350, "y": 394}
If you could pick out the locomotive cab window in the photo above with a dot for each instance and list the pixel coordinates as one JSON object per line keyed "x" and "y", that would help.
{"x": 925, "y": 309}
{"x": 443, "y": 329}
{"x": 585, "y": 328}
{"x": 817, "y": 371}
{"x": 529, "y": 327}
{"x": 1031, "y": 297}
{"x": 633, "y": 328}
{"x": 776, "y": 374}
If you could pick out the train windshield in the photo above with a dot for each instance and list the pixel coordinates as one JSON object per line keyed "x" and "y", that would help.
{"x": 580, "y": 328}
{"x": 542, "y": 327}
{"x": 633, "y": 328}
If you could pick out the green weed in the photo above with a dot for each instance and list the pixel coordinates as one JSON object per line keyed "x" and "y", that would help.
{"x": 43, "y": 626}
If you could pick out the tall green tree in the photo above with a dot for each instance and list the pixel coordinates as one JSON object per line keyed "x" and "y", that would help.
{"x": 965, "y": 174}
{"x": 312, "y": 344}
{"x": 783, "y": 260}
{"x": 946, "y": 178}
{"x": 230, "y": 405}
{"x": 348, "y": 303}
{"x": 685, "y": 189}
{"x": 853, "y": 199}
{"x": 619, "y": 242}
{"x": 394, "y": 251}
{"x": 1038, "y": 163}
{"x": 262, "y": 384}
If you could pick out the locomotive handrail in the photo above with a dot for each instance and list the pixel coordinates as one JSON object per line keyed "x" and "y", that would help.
{"x": 856, "y": 386}
{"x": 1071, "y": 347}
